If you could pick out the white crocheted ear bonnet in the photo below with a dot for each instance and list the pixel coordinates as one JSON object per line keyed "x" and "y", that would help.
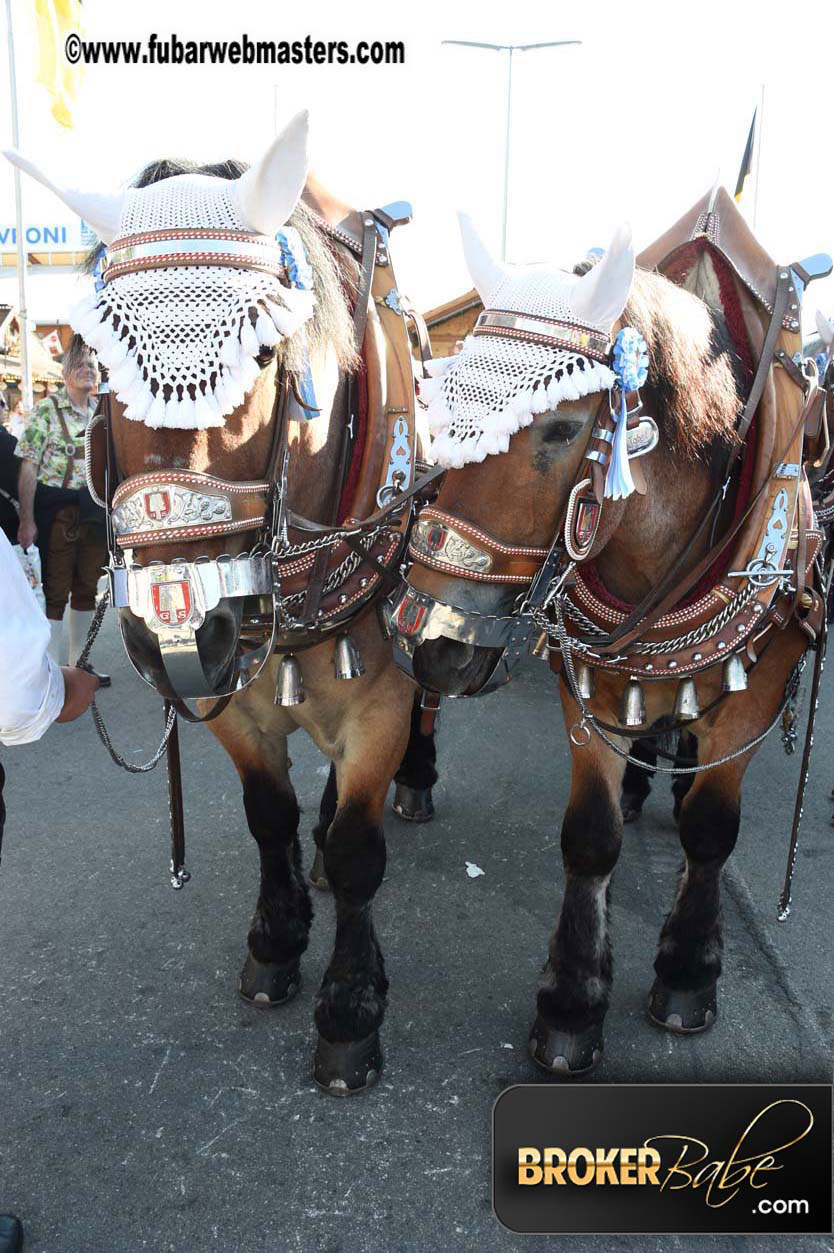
{"x": 180, "y": 340}
{"x": 544, "y": 337}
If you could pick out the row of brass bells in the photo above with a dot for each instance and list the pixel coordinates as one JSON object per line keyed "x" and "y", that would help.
{"x": 687, "y": 709}
{"x": 289, "y": 689}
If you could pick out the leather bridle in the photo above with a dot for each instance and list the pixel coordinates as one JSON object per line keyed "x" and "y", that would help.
{"x": 173, "y": 507}
{"x": 444, "y": 543}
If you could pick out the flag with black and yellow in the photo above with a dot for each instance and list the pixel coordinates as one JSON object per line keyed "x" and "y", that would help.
{"x": 746, "y": 160}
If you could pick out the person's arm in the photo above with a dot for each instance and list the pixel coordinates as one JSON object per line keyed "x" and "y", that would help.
{"x": 34, "y": 692}
{"x": 27, "y": 482}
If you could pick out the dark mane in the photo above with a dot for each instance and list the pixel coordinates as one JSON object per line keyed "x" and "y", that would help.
{"x": 331, "y": 323}
{"x": 696, "y": 380}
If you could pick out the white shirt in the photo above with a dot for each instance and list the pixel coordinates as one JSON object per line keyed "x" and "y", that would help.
{"x": 31, "y": 685}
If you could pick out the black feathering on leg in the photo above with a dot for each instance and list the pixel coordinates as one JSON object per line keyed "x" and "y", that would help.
{"x": 690, "y": 948}
{"x": 281, "y": 923}
{"x": 580, "y": 964}
{"x": 352, "y": 999}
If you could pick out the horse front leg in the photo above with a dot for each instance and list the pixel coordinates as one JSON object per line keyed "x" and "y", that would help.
{"x": 280, "y": 926}
{"x": 567, "y": 1036}
{"x": 688, "y": 963}
{"x": 417, "y": 773}
{"x": 352, "y": 998}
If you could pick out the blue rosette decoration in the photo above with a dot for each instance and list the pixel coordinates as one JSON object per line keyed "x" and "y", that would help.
{"x": 631, "y": 366}
{"x": 294, "y": 258}
{"x": 300, "y": 273}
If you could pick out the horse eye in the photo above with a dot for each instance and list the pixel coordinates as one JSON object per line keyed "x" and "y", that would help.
{"x": 562, "y": 430}
{"x": 264, "y": 357}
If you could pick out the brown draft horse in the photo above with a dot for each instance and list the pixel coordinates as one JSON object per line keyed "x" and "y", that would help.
{"x": 696, "y": 386}
{"x": 362, "y": 726}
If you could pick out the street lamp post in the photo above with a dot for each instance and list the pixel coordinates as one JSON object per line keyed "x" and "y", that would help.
{"x": 510, "y": 49}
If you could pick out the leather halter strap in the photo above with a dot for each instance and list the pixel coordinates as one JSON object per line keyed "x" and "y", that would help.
{"x": 445, "y": 543}
{"x": 189, "y": 246}
{"x": 173, "y": 506}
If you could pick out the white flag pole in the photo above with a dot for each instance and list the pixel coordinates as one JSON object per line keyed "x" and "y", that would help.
{"x": 23, "y": 320}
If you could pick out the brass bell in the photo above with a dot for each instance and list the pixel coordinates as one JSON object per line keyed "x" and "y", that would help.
{"x": 289, "y": 690}
{"x": 541, "y": 648}
{"x": 633, "y": 708}
{"x": 586, "y": 682}
{"x": 346, "y": 660}
{"x": 686, "y": 708}
{"x": 733, "y": 675}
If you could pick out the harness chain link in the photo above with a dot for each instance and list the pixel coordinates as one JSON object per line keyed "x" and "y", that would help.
{"x": 652, "y": 648}
{"x": 83, "y": 663}
{"x": 589, "y": 723}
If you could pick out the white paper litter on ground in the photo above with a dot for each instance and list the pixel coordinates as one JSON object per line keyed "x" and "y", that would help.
{"x": 472, "y": 870}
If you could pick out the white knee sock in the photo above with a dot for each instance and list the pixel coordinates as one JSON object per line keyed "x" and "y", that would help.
{"x": 55, "y": 648}
{"x": 79, "y": 625}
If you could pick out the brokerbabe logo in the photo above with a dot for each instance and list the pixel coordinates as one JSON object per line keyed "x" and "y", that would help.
{"x": 657, "y": 1158}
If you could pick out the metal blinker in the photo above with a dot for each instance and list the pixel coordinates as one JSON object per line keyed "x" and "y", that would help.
{"x": 289, "y": 690}
{"x": 585, "y": 682}
{"x": 633, "y": 709}
{"x": 686, "y": 708}
{"x": 346, "y": 659}
{"x": 733, "y": 675}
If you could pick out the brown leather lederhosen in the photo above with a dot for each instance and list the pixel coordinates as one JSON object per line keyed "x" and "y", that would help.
{"x": 77, "y": 550}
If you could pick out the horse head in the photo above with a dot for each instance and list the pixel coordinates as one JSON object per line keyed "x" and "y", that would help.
{"x": 511, "y": 418}
{"x": 210, "y": 318}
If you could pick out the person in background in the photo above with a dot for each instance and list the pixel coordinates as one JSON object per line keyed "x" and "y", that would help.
{"x": 14, "y": 417}
{"x": 51, "y": 450}
{"x": 34, "y": 693}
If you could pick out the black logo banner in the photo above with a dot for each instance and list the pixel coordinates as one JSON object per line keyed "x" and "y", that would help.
{"x": 649, "y": 1159}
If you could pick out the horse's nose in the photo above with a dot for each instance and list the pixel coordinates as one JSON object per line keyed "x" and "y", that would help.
{"x": 452, "y": 667}
{"x": 217, "y": 641}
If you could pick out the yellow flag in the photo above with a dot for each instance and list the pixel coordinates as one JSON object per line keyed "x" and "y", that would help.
{"x": 56, "y": 19}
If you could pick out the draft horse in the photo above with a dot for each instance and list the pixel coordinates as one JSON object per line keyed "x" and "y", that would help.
{"x": 258, "y": 507}
{"x": 648, "y": 510}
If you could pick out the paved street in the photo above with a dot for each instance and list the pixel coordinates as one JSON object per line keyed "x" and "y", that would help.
{"x": 143, "y": 1106}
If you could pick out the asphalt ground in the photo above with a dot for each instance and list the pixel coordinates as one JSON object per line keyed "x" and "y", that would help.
{"x": 144, "y": 1106}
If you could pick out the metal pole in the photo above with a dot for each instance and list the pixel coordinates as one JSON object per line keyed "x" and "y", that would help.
{"x": 23, "y": 321}
{"x": 507, "y": 155}
{"x": 760, "y": 129}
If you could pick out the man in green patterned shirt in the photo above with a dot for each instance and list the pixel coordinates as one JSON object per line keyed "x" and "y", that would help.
{"x": 51, "y": 450}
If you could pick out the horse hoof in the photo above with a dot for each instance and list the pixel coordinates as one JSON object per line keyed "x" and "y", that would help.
{"x": 631, "y": 808}
{"x": 684, "y": 1012}
{"x": 565, "y": 1054}
{"x": 266, "y": 984}
{"x": 346, "y": 1068}
{"x": 413, "y": 804}
{"x": 318, "y": 878}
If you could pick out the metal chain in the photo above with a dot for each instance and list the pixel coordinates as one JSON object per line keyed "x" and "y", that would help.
{"x": 653, "y": 648}
{"x": 348, "y": 567}
{"x": 589, "y": 723}
{"x": 285, "y": 552}
{"x": 83, "y": 663}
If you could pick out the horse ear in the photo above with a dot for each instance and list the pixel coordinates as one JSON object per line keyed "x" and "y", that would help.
{"x": 600, "y": 295}
{"x": 99, "y": 211}
{"x": 825, "y": 328}
{"x": 270, "y": 189}
{"x": 485, "y": 271}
